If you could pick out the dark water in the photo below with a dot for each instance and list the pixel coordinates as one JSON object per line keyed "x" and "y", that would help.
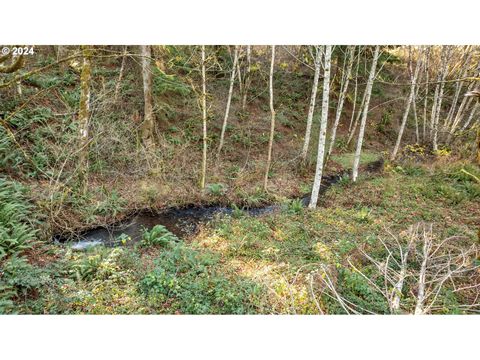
{"x": 182, "y": 222}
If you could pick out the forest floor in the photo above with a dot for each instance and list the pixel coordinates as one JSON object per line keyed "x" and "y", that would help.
{"x": 267, "y": 264}
{"x": 235, "y": 263}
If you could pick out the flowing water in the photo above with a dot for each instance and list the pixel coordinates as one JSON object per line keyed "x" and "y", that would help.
{"x": 182, "y": 222}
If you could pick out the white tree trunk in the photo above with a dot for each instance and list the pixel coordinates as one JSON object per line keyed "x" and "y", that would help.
{"x": 472, "y": 114}
{"x": 419, "y": 308}
{"x": 323, "y": 129}
{"x": 411, "y": 97}
{"x": 148, "y": 120}
{"x": 247, "y": 78}
{"x": 341, "y": 100}
{"x": 357, "y": 118}
{"x": 204, "y": 119}
{"x": 355, "y": 90}
{"x": 458, "y": 87}
{"x": 464, "y": 105}
{"x": 368, "y": 92}
{"x": 229, "y": 100}
{"x": 120, "y": 75}
{"x": 272, "y": 123}
{"x": 84, "y": 116}
{"x": 445, "y": 55}
{"x": 425, "y": 105}
{"x": 415, "y": 117}
{"x": 313, "y": 98}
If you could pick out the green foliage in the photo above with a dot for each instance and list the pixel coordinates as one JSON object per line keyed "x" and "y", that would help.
{"x": 66, "y": 78}
{"x": 453, "y": 185}
{"x": 168, "y": 84}
{"x": 19, "y": 279}
{"x": 187, "y": 281}
{"x": 384, "y": 126}
{"x": 344, "y": 180}
{"x": 216, "y": 189}
{"x": 284, "y": 120}
{"x": 158, "y": 235}
{"x": 363, "y": 215}
{"x": 112, "y": 205}
{"x": 346, "y": 160}
{"x": 356, "y": 289}
{"x": 16, "y": 229}
{"x": 70, "y": 97}
{"x": 97, "y": 282}
{"x": 294, "y": 206}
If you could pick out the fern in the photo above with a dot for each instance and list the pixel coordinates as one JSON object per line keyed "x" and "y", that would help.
{"x": 16, "y": 230}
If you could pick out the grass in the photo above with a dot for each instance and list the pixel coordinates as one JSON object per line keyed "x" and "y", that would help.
{"x": 346, "y": 160}
{"x": 236, "y": 264}
{"x": 268, "y": 264}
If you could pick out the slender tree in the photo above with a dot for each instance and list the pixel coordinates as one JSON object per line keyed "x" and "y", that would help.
{"x": 313, "y": 97}
{"x": 148, "y": 120}
{"x": 247, "y": 78}
{"x": 272, "y": 122}
{"x": 442, "y": 76}
{"x": 229, "y": 100}
{"x": 120, "y": 74}
{"x": 472, "y": 114}
{"x": 464, "y": 106}
{"x": 323, "y": 129}
{"x": 411, "y": 98}
{"x": 355, "y": 90}
{"x": 368, "y": 92}
{"x": 459, "y": 84}
{"x": 84, "y": 116}
{"x": 425, "y": 105}
{"x": 357, "y": 118}
{"x": 343, "y": 94}
{"x": 204, "y": 118}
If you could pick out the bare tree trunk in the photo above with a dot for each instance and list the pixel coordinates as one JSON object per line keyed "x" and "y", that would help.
{"x": 464, "y": 105}
{"x": 357, "y": 118}
{"x": 414, "y": 106}
{"x": 120, "y": 75}
{"x": 229, "y": 100}
{"x": 341, "y": 100}
{"x": 398, "y": 287}
{"x": 414, "y": 76}
{"x": 84, "y": 117}
{"x": 239, "y": 72}
{"x": 272, "y": 123}
{"x": 247, "y": 78}
{"x": 204, "y": 118}
{"x": 425, "y": 105}
{"x": 62, "y": 53}
{"x": 148, "y": 120}
{"x": 443, "y": 74}
{"x": 355, "y": 90}
{"x": 368, "y": 92}
{"x": 313, "y": 99}
{"x": 458, "y": 86}
{"x": 419, "y": 308}
{"x": 472, "y": 114}
{"x": 323, "y": 129}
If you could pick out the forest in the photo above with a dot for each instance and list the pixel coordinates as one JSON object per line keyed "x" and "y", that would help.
{"x": 242, "y": 179}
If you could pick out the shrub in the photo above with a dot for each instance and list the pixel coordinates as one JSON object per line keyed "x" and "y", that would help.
{"x": 19, "y": 279}
{"x": 187, "y": 281}
{"x": 158, "y": 235}
{"x": 16, "y": 230}
{"x": 216, "y": 189}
